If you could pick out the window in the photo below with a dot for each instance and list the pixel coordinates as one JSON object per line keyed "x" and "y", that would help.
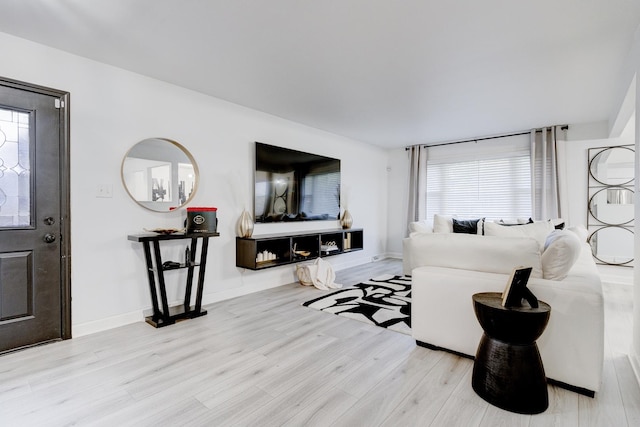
{"x": 490, "y": 179}
{"x": 321, "y": 192}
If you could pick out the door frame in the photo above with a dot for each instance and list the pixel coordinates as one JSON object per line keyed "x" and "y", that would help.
{"x": 65, "y": 194}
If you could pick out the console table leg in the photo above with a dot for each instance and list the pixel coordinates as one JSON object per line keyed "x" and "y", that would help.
{"x": 152, "y": 281}
{"x": 163, "y": 290}
{"x": 191, "y": 260}
{"x": 203, "y": 262}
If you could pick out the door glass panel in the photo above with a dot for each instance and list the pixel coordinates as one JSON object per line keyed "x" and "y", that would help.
{"x": 15, "y": 169}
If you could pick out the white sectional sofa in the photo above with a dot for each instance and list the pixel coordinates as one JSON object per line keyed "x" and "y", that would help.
{"x": 448, "y": 268}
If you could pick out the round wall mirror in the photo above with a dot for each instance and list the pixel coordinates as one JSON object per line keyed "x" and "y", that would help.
{"x": 613, "y": 166}
{"x": 160, "y": 174}
{"x": 612, "y": 205}
{"x": 612, "y": 245}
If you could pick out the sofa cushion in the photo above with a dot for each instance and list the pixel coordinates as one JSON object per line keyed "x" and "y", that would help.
{"x": 538, "y": 230}
{"x": 471, "y": 252}
{"x": 580, "y": 231}
{"x": 442, "y": 223}
{"x": 561, "y": 250}
{"x": 468, "y": 226}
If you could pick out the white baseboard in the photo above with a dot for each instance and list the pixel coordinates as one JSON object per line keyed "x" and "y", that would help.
{"x": 92, "y": 327}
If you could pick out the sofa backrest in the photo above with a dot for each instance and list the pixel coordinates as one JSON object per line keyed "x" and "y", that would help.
{"x": 470, "y": 252}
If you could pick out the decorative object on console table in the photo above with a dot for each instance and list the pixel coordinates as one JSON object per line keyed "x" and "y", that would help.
{"x": 163, "y": 315}
{"x": 202, "y": 220}
{"x": 347, "y": 242}
{"x": 329, "y": 246}
{"x": 244, "y": 227}
{"x": 508, "y": 370}
{"x": 347, "y": 220}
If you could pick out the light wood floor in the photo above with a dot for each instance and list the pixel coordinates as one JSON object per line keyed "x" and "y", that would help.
{"x": 264, "y": 360}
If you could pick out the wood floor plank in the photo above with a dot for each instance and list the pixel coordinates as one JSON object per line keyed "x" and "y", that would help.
{"x": 360, "y": 381}
{"x": 457, "y": 412}
{"x": 301, "y": 396}
{"x": 422, "y": 405}
{"x": 392, "y": 389}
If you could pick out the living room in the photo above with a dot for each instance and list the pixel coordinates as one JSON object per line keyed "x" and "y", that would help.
{"x": 113, "y": 108}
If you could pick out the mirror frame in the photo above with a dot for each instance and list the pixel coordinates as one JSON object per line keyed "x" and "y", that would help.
{"x": 186, "y": 152}
{"x": 610, "y": 227}
{"x": 606, "y": 189}
{"x": 596, "y": 185}
{"x": 593, "y": 159}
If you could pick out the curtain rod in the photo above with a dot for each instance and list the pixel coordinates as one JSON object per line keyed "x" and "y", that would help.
{"x": 562, "y": 127}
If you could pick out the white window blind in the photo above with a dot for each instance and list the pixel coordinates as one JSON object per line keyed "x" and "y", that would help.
{"x": 321, "y": 191}
{"x": 487, "y": 180}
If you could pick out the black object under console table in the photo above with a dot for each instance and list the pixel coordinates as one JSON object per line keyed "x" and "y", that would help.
{"x": 272, "y": 250}
{"x": 164, "y": 315}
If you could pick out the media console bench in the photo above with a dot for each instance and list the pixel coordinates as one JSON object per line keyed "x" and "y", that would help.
{"x": 272, "y": 250}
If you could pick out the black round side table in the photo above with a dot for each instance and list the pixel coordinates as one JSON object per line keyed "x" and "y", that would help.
{"x": 508, "y": 370}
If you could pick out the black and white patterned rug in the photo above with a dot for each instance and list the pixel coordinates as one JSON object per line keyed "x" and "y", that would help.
{"x": 384, "y": 301}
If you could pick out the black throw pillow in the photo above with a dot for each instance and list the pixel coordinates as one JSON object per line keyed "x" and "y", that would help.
{"x": 468, "y": 226}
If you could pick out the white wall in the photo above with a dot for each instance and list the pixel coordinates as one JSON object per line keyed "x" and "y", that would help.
{"x": 398, "y": 196}
{"x": 111, "y": 110}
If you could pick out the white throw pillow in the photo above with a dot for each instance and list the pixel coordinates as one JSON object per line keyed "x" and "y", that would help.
{"x": 538, "y": 230}
{"x": 580, "y": 231}
{"x": 421, "y": 227}
{"x": 442, "y": 223}
{"x": 562, "y": 249}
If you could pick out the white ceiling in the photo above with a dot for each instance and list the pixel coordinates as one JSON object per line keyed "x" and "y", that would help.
{"x": 391, "y": 73}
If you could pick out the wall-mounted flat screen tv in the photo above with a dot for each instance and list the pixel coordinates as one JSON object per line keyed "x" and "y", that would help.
{"x": 293, "y": 185}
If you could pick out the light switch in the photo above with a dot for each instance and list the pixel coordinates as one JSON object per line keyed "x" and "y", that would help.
{"x": 104, "y": 190}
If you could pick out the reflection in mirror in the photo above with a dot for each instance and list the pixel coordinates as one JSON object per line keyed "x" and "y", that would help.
{"x": 612, "y": 205}
{"x": 160, "y": 174}
{"x": 613, "y": 166}
{"x": 612, "y": 245}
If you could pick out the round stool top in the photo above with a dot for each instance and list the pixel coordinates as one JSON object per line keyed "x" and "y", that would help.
{"x": 516, "y": 325}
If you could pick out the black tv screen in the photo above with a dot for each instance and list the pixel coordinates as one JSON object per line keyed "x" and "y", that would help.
{"x": 292, "y": 185}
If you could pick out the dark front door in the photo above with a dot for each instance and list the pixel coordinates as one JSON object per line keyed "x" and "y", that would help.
{"x": 33, "y": 297}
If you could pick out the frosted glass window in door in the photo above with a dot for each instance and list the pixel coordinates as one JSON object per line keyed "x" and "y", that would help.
{"x": 15, "y": 169}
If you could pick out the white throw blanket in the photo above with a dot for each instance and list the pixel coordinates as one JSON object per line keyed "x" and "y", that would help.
{"x": 319, "y": 274}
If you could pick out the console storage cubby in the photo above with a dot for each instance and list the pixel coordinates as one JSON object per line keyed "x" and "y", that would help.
{"x": 258, "y": 252}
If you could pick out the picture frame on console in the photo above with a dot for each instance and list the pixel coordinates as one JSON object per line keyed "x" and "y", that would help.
{"x": 516, "y": 289}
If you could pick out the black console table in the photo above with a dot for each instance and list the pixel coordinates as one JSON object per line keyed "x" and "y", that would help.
{"x": 163, "y": 315}
{"x": 508, "y": 370}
